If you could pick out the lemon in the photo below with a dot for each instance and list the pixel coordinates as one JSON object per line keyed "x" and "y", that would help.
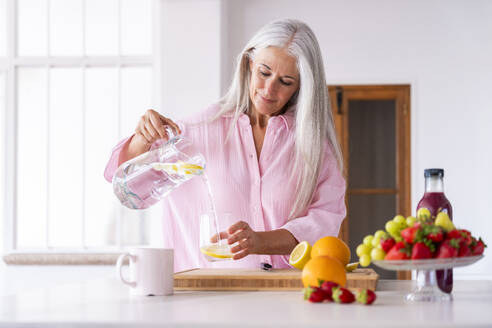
{"x": 351, "y": 266}
{"x": 218, "y": 251}
{"x": 300, "y": 255}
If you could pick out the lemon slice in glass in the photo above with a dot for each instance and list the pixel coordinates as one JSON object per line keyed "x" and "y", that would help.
{"x": 300, "y": 255}
{"x": 218, "y": 251}
{"x": 351, "y": 266}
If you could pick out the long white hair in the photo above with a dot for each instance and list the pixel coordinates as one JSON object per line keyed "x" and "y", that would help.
{"x": 311, "y": 103}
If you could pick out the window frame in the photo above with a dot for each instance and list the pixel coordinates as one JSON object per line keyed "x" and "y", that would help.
{"x": 10, "y": 65}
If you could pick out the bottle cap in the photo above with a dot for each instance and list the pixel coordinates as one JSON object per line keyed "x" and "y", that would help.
{"x": 433, "y": 173}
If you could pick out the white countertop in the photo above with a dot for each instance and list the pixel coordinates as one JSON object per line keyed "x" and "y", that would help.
{"x": 107, "y": 303}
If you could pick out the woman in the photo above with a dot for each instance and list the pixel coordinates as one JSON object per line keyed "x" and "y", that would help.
{"x": 271, "y": 151}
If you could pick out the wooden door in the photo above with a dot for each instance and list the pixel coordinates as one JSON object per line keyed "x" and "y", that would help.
{"x": 373, "y": 128}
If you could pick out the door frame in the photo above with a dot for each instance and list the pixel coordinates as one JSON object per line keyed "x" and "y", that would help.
{"x": 340, "y": 96}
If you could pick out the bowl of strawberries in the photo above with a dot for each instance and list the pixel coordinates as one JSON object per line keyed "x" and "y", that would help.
{"x": 423, "y": 244}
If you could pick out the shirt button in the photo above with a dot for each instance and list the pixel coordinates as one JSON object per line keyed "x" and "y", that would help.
{"x": 250, "y": 155}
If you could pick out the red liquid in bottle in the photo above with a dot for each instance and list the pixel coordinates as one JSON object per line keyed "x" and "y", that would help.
{"x": 435, "y": 201}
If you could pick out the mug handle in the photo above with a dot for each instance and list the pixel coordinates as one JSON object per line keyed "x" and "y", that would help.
{"x": 119, "y": 264}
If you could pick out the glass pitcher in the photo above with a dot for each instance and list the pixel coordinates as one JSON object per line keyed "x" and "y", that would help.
{"x": 144, "y": 180}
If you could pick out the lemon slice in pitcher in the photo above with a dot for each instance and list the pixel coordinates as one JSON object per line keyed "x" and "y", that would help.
{"x": 166, "y": 167}
{"x": 191, "y": 166}
{"x": 300, "y": 255}
{"x": 178, "y": 167}
{"x": 191, "y": 169}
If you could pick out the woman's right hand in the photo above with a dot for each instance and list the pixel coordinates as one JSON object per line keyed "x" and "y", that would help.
{"x": 150, "y": 127}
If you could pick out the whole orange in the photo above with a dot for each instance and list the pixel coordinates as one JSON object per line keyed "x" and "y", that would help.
{"x": 324, "y": 268}
{"x": 331, "y": 246}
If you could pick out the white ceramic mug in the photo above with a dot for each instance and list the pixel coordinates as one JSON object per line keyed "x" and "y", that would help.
{"x": 151, "y": 271}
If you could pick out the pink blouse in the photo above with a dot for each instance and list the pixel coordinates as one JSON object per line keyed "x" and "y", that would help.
{"x": 258, "y": 191}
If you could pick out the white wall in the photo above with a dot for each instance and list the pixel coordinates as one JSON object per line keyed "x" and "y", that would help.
{"x": 443, "y": 49}
{"x": 191, "y": 55}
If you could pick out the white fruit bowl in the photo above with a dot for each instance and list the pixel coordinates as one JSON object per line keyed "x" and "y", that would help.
{"x": 427, "y": 289}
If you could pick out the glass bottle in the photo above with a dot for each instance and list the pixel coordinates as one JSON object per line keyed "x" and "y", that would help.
{"x": 435, "y": 201}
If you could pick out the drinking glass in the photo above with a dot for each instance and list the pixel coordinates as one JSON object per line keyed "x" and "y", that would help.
{"x": 211, "y": 225}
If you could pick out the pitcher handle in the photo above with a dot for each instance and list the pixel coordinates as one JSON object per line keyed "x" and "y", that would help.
{"x": 119, "y": 265}
{"x": 170, "y": 132}
{"x": 158, "y": 143}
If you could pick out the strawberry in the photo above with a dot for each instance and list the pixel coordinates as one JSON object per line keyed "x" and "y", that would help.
{"x": 387, "y": 244}
{"x": 327, "y": 287}
{"x": 448, "y": 248}
{"x": 409, "y": 234}
{"x": 434, "y": 233}
{"x": 421, "y": 251}
{"x": 466, "y": 236}
{"x": 413, "y": 234}
{"x": 314, "y": 294}
{"x": 453, "y": 234}
{"x": 366, "y": 296}
{"x": 478, "y": 247}
{"x": 343, "y": 295}
{"x": 436, "y": 237}
{"x": 400, "y": 251}
{"x": 464, "y": 250}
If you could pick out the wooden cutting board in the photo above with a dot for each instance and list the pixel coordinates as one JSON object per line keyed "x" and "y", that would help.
{"x": 257, "y": 279}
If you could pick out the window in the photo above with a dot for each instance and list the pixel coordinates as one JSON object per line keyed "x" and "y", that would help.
{"x": 78, "y": 75}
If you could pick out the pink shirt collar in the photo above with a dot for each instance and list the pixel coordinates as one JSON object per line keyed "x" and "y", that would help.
{"x": 287, "y": 119}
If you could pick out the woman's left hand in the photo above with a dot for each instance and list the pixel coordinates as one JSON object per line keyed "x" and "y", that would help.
{"x": 249, "y": 241}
